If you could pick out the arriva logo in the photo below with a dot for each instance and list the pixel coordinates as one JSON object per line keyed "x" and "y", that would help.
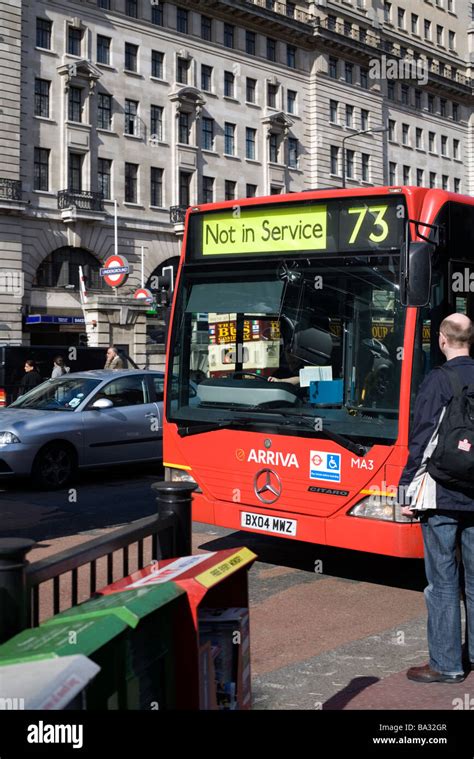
{"x": 275, "y": 458}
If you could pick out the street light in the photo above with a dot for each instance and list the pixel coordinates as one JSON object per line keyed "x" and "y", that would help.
{"x": 373, "y": 130}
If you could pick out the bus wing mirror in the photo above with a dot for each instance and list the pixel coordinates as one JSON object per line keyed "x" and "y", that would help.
{"x": 415, "y": 279}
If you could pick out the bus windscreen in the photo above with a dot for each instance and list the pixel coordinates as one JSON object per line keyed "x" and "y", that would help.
{"x": 331, "y": 226}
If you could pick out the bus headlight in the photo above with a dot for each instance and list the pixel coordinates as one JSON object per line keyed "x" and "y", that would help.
{"x": 179, "y": 475}
{"x": 381, "y": 507}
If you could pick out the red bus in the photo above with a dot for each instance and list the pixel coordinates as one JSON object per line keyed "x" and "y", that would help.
{"x": 302, "y": 326}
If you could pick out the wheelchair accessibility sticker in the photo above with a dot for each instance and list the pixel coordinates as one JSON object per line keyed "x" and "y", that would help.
{"x": 325, "y": 466}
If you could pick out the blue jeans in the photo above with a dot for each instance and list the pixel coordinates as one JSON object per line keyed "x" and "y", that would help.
{"x": 442, "y": 532}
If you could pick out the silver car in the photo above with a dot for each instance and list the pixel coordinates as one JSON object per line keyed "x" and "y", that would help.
{"x": 83, "y": 420}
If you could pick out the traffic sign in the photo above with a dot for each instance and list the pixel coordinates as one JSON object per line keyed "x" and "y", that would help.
{"x": 143, "y": 294}
{"x": 115, "y": 271}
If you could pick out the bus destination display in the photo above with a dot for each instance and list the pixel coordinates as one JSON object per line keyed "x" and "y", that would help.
{"x": 332, "y": 226}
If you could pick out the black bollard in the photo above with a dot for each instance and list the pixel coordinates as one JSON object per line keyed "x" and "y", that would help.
{"x": 175, "y": 499}
{"x": 13, "y": 593}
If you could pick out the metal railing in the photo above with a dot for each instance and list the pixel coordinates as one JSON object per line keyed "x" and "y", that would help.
{"x": 83, "y": 201}
{"x": 348, "y": 31}
{"x": 282, "y": 9}
{"x": 22, "y": 605}
{"x": 10, "y": 189}
{"x": 178, "y": 214}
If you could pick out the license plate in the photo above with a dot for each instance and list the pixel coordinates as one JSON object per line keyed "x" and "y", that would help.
{"x": 268, "y": 524}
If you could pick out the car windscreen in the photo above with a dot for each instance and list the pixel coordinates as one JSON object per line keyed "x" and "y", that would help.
{"x": 57, "y": 395}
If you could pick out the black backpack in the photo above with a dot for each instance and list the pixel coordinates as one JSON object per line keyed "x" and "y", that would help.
{"x": 452, "y": 462}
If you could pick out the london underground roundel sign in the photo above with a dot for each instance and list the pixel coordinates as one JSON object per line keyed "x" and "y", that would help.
{"x": 115, "y": 271}
{"x": 143, "y": 294}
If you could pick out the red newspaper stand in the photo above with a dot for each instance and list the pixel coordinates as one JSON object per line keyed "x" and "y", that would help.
{"x": 212, "y": 632}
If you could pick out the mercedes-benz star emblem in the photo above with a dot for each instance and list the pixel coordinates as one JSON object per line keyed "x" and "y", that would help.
{"x": 267, "y": 486}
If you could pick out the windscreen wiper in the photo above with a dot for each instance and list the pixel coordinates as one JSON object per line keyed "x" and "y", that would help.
{"x": 221, "y": 424}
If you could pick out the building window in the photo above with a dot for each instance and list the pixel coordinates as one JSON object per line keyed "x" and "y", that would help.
{"x": 157, "y": 61}
{"x": 419, "y": 177}
{"x": 364, "y": 119}
{"x": 182, "y": 20}
{"x": 349, "y": 116}
{"x": 275, "y": 190}
{"x": 156, "y": 187}
{"x": 131, "y": 175}
{"x": 229, "y": 138}
{"x": 401, "y": 18}
{"x": 365, "y": 167}
{"x": 230, "y": 189}
{"x": 291, "y": 97}
{"x": 406, "y": 175}
{"x": 364, "y": 79}
{"x": 271, "y": 49}
{"x": 333, "y": 105}
{"x": 432, "y": 179}
{"x": 104, "y": 171}
{"x": 43, "y": 33}
{"x": 431, "y": 103}
{"x": 272, "y": 92}
{"x": 250, "y": 90}
{"x": 391, "y": 130}
{"x": 274, "y": 148}
{"x": 452, "y": 43}
{"x": 455, "y": 148}
{"x": 387, "y": 11}
{"x": 443, "y": 107}
{"x": 457, "y": 185}
{"x": 293, "y": 152}
{"x": 349, "y": 73}
{"x": 332, "y": 67}
{"x": 228, "y": 35}
{"x": 131, "y": 8}
{"x": 131, "y": 57}
{"x": 445, "y": 182}
{"x": 405, "y": 94}
{"x": 334, "y": 159}
{"x": 391, "y": 90}
{"x": 439, "y": 35}
{"x": 103, "y": 49}
{"x": 291, "y": 56}
{"x": 418, "y": 99}
{"x": 208, "y": 189}
{"x": 431, "y": 142}
{"x": 229, "y": 84}
{"x": 42, "y": 97}
{"x": 206, "y": 78}
{"x": 405, "y": 134}
{"x": 208, "y": 134}
{"x": 444, "y": 145}
{"x": 104, "y": 111}
{"x": 185, "y": 188}
{"x": 455, "y": 112}
{"x": 206, "y": 28}
{"x": 75, "y": 172}
{"x": 427, "y": 28}
{"x": 156, "y": 122}
{"x": 157, "y": 14}
{"x": 41, "y": 169}
{"x": 251, "y": 190}
{"x": 419, "y": 137}
{"x": 74, "y": 41}
{"x": 182, "y": 70}
{"x": 105, "y": 4}
{"x": 392, "y": 173}
{"x": 74, "y": 112}
{"x": 183, "y": 128}
{"x": 250, "y": 43}
{"x": 350, "y": 155}
{"x": 414, "y": 23}
{"x": 250, "y": 142}
{"x": 131, "y": 117}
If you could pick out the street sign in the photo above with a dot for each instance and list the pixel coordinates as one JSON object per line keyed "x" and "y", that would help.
{"x": 115, "y": 271}
{"x": 143, "y": 294}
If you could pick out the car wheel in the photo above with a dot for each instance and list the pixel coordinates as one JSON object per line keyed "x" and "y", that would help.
{"x": 54, "y": 467}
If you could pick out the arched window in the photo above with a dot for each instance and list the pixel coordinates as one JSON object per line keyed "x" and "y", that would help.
{"x": 61, "y": 269}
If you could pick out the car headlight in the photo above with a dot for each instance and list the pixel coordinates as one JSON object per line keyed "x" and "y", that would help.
{"x": 179, "y": 475}
{"x": 8, "y": 438}
{"x": 383, "y": 507}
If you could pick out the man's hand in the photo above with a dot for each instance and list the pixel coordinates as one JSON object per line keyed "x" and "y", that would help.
{"x": 407, "y": 511}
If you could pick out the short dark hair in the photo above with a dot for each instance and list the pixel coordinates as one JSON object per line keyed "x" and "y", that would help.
{"x": 30, "y": 362}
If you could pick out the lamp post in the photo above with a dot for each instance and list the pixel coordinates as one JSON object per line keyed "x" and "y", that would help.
{"x": 373, "y": 130}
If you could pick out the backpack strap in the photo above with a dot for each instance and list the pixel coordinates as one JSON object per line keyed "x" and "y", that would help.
{"x": 456, "y": 384}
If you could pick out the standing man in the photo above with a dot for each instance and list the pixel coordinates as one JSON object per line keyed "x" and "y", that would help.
{"x": 449, "y": 518}
{"x": 113, "y": 361}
